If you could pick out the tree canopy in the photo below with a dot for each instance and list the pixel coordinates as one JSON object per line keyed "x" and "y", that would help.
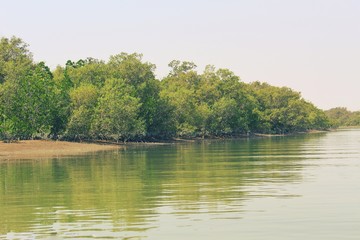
{"x": 341, "y": 116}
{"x": 121, "y": 99}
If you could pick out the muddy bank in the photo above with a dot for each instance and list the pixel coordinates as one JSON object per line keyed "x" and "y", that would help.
{"x": 45, "y": 149}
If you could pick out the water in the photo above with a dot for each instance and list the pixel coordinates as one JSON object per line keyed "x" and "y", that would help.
{"x": 300, "y": 187}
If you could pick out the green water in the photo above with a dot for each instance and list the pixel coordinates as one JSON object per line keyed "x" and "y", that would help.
{"x": 301, "y": 187}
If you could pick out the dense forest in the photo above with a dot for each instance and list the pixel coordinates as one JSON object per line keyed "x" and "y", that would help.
{"x": 340, "y": 116}
{"x": 121, "y": 100}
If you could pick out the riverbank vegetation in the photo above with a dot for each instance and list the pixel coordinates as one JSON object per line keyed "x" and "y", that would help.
{"x": 341, "y": 117}
{"x": 121, "y": 100}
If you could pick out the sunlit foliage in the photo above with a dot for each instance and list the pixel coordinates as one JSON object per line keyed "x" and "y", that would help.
{"x": 121, "y": 100}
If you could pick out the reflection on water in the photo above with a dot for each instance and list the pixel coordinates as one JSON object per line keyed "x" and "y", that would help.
{"x": 273, "y": 188}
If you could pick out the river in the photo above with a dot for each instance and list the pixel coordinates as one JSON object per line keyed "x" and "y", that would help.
{"x": 295, "y": 187}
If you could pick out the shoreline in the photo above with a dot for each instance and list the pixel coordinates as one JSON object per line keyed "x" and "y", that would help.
{"x": 32, "y": 149}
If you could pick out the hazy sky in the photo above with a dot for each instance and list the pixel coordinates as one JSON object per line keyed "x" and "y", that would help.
{"x": 312, "y": 46}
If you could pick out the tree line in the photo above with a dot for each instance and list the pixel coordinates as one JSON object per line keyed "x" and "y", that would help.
{"x": 121, "y": 100}
{"x": 341, "y": 116}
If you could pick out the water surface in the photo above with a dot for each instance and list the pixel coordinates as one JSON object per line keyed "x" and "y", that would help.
{"x": 299, "y": 187}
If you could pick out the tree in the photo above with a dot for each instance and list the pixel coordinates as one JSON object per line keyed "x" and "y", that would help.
{"x": 213, "y": 103}
{"x": 83, "y": 102}
{"x": 227, "y": 117}
{"x": 284, "y": 111}
{"x": 88, "y": 71}
{"x": 179, "y": 67}
{"x": 28, "y": 104}
{"x": 121, "y": 99}
{"x": 131, "y": 69}
{"x": 63, "y": 86}
{"x": 341, "y": 116}
{"x": 180, "y": 89}
{"x": 15, "y": 59}
{"x": 117, "y": 114}
{"x": 154, "y": 110}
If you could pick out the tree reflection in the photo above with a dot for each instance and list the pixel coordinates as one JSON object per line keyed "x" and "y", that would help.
{"x": 127, "y": 190}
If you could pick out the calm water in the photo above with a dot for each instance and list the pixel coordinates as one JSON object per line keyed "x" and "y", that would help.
{"x": 302, "y": 187}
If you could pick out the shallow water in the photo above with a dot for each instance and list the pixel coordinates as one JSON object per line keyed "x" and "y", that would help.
{"x": 295, "y": 187}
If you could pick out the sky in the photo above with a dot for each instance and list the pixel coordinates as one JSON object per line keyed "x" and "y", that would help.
{"x": 311, "y": 46}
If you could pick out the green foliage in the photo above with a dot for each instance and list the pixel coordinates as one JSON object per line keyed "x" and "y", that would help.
{"x": 28, "y": 104}
{"x": 180, "y": 90}
{"x": 89, "y": 71}
{"x": 156, "y": 113}
{"x": 340, "y": 116}
{"x": 83, "y": 103}
{"x": 63, "y": 85}
{"x": 284, "y": 111}
{"x": 179, "y": 67}
{"x": 214, "y": 103}
{"x": 122, "y": 100}
{"x": 130, "y": 68}
{"x": 227, "y": 116}
{"x": 116, "y": 116}
{"x": 15, "y": 59}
